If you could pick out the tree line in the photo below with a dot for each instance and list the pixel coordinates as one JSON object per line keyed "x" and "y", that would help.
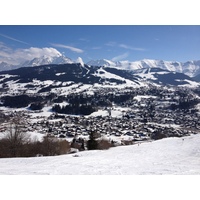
{"x": 17, "y": 143}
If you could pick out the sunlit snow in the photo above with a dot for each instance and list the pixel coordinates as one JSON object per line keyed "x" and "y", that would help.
{"x": 166, "y": 156}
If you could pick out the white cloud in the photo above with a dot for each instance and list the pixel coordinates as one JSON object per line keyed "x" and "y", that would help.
{"x": 131, "y": 48}
{"x": 20, "y": 55}
{"x": 124, "y": 46}
{"x": 14, "y": 39}
{"x": 35, "y": 52}
{"x": 4, "y": 48}
{"x": 120, "y": 57}
{"x": 77, "y": 50}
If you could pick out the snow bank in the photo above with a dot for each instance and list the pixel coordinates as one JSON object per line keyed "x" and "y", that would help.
{"x": 166, "y": 156}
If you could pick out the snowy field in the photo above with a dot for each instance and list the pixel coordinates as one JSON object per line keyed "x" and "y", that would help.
{"x": 171, "y": 157}
{"x": 167, "y": 156}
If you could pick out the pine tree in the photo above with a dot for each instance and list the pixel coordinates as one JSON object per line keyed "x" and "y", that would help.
{"x": 92, "y": 144}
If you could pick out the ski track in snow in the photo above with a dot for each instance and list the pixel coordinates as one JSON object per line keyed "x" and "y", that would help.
{"x": 166, "y": 156}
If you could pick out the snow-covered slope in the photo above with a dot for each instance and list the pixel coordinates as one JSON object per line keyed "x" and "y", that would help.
{"x": 190, "y": 68}
{"x": 63, "y": 78}
{"x": 166, "y": 156}
{"x": 165, "y": 77}
{"x": 102, "y": 62}
{"x": 5, "y": 66}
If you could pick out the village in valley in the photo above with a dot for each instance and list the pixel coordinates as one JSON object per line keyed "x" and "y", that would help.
{"x": 142, "y": 115}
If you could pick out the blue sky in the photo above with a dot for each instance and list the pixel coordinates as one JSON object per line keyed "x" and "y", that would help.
{"x": 91, "y": 42}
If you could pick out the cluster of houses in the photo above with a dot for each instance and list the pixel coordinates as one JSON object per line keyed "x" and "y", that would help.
{"x": 148, "y": 117}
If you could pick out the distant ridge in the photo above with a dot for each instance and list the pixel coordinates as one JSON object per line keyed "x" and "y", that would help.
{"x": 190, "y": 68}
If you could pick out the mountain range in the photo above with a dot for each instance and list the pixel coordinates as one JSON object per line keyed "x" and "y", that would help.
{"x": 67, "y": 78}
{"x": 190, "y": 68}
{"x": 43, "y": 60}
{"x": 62, "y": 75}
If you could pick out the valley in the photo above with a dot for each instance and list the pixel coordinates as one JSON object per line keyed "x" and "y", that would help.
{"x": 69, "y": 101}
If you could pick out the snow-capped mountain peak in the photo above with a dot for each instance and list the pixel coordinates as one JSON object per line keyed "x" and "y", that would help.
{"x": 190, "y": 68}
{"x": 62, "y": 60}
{"x": 45, "y": 60}
{"x": 102, "y": 62}
{"x": 80, "y": 60}
{"x": 5, "y": 66}
{"x": 38, "y": 61}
